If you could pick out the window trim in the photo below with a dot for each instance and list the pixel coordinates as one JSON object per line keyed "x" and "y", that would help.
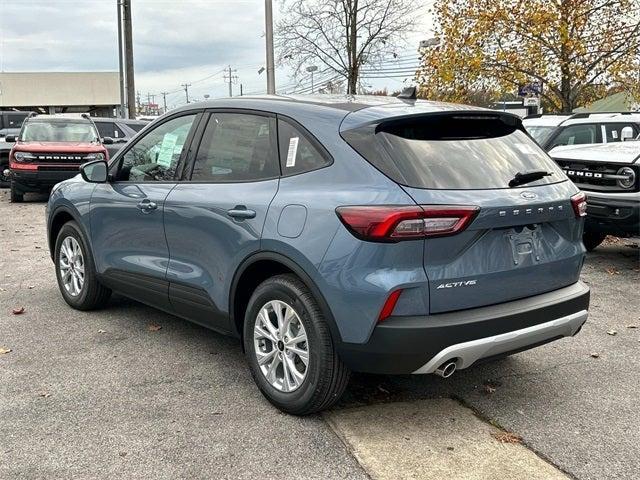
{"x": 184, "y": 156}
{"x": 322, "y": 150}
{"x": 209, "y": 112}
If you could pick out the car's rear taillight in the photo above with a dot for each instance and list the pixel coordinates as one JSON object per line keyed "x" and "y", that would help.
{"x": 579, "y": 203}
{"x": 394, "y": 223}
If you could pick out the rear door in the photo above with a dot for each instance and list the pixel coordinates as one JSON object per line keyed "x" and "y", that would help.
{"x": 524, "y": 240}
{"x": 215, "y": 219}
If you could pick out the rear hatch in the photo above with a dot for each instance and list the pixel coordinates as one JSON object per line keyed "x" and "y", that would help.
{"x": 525, "y": 239}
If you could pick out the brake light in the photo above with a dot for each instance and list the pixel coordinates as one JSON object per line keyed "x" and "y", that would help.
{"x": 395, "y": 223}
{"x": 579, "y": 203}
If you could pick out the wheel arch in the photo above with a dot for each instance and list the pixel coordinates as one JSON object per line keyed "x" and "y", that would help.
{"x": 258, "y": 267}
{"x": 57, "y": 220}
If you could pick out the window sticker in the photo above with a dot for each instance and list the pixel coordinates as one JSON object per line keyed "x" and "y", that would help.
{"x": 167, "y": 149}
{"x": 293, "y": 151}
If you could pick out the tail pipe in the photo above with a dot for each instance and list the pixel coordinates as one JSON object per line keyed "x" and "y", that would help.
{"x": 446, "y": 369}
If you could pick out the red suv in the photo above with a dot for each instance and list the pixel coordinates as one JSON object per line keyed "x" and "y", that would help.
{"x": 49, "y": 149}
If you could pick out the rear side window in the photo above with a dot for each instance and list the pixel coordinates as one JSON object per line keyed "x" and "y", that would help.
{"x": 453, "y": 152}
{"x": 237, "y": 147}
{"x": 298, "y": 154}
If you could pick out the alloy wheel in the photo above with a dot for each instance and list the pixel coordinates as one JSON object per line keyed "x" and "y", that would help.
{"x": 71, "y": 265}
{"x": 281, "y": 346}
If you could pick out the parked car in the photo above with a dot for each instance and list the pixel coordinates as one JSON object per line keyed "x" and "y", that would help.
{"x": 117, "y": 131}
{"x": 609, "y": 174}
{"x": 5, "y": 149}
{"x": 12, "y": 118}
{"x": 542, "y": 126}
{"x": 332, "y": 234}
{"x": 591, "y": 128}
{"x": 50, "y": 148}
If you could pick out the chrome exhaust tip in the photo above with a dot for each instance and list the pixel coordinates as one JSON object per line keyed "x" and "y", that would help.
{"x": 446, "y": 369}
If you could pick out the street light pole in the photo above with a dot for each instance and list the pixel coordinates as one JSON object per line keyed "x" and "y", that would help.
{"x": 271, "y": 73}
{"x": 311, "y": 69}
{"x": 123, "y": 113}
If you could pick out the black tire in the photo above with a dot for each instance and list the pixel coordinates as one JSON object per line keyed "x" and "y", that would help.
{"x": 16, "y": 195}
{"x": 326, "y": 375}
{"x": 93, "y": 295}
{"x": 5, "y": 182}
{"x": 591, "y": 240}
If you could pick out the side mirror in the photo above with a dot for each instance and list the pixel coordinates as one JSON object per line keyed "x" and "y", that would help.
{"x": 10, "y": 139}
{"x": 626, "y": 134}
{"x": 94, "y": 172}
{"x": 108, "y": 141}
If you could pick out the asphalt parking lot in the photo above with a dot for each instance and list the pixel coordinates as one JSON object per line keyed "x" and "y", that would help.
{"x": 130, "y": 392}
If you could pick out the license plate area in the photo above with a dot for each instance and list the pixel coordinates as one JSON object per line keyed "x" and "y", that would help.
{"x": 524, "y": 244}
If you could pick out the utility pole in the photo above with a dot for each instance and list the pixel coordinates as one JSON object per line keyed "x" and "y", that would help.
{"x": 271, "y": 70}
{"x": 123, "y": 102}
{"x": 186, "y": 90}
{"x": 240, "y": 89}
{"x": 231, "y": 78}
{"x": 128, "y": 54}
{"x": 137, "y": 101}
{"x": 164, "y": 101}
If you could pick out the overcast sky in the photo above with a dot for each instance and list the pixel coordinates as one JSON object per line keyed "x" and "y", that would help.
{"x": 175, "y": 42}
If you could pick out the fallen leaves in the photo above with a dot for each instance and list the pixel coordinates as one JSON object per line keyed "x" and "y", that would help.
{"x": 632, "y": 326}
{"x": 507, "y": 437}
{"x": 102, "y": 331}
{"x": 44, "y": 394}
{"x": 18, "y": 310}
{"x": 612, "y": 271}
{"x": 154, "y": 327}
{"x": 595, "y": 355}
{"x": 490, "y": 386}
{"x": 612, "y": 332}
{"x": 4, "y": 351}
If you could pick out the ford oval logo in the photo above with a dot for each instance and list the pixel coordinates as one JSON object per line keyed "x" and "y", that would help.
{"x": 528, "y": 195}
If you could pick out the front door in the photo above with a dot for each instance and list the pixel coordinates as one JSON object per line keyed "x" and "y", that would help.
{"x": 215, "y": 220}
{"x": 127, "y": 228}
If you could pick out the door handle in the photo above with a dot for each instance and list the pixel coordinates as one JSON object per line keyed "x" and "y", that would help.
{"x": 240, "y": 212}
{"x": 147, "y": 206}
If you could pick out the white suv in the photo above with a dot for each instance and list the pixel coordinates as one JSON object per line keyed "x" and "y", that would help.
{"x": 555, "y": 132}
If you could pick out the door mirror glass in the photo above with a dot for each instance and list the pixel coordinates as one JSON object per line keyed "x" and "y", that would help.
{"x": 10, "y": 138}
{"x": 108, "y": 141}
{"x": 94, "y": 172}
{"x": 626, "y": 134}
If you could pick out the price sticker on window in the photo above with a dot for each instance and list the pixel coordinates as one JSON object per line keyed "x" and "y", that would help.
{"x": 293, "y": 151}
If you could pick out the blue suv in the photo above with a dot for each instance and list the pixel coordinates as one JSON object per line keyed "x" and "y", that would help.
{"x": 332, "y": 234}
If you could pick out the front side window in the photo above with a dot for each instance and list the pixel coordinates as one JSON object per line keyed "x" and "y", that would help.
{"x": 297, "y": 153}
{"x": 237, "y": 147}
{"x": 43, "y": 131}
{"x": 540, "y": 133}
{"x": 614, "y": 131}
{"x": 155, "y": 156}
{"x": 577, "y": 135}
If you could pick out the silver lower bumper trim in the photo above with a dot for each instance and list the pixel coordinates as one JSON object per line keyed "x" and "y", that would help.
{"x": 467, "y": 353}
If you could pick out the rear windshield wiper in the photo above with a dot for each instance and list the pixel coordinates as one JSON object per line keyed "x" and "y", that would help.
{"x": 527, "y": 177}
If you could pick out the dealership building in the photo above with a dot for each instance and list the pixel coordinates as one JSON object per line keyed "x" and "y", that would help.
{"x": 97, "y": 93}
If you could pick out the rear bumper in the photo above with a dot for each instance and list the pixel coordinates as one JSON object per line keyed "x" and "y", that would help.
{"x": 613, "y": 216}
{"x": 41, "y": 180}
{"x": 421, "y": 344}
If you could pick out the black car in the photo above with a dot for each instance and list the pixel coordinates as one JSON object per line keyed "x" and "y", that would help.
{"x": 10, "y": 123}
{"x": 118, "y": 129}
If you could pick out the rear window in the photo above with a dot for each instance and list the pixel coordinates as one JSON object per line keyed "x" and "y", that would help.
{"x": 453, "y": 152}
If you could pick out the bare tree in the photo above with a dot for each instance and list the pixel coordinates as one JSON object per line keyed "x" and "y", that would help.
{"x": 341, "y": 35}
